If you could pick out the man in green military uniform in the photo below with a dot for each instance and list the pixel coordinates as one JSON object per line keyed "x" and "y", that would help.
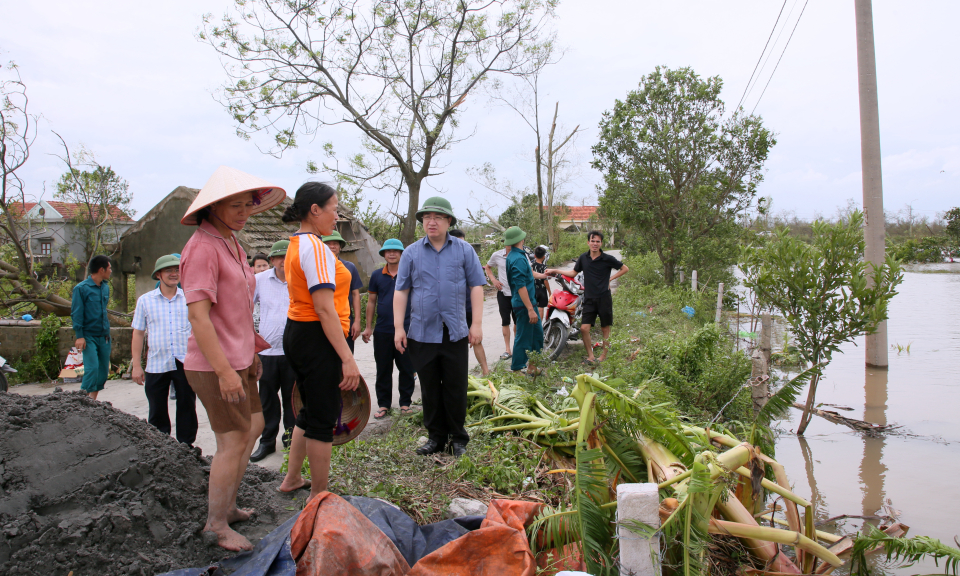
{"x": 90, "y": 322}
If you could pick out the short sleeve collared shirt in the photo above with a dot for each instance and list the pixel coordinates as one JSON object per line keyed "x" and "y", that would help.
{"x": 165, "y": 322}
{"x": 274, "y": 299}
{"x": 310, "y": 266}
{"x": 210, "y": 270}
{"x": 438, "y": 283}
{"x": 498, "y": 260}
{"x": 520, "y": 275}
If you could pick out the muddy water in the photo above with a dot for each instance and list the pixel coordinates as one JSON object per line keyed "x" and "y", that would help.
{"x": 916, "y": 472}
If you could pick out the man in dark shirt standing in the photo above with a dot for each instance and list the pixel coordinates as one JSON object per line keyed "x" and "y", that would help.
{"x": 383, "y": 283}
{"x": 92, "y": 326}
{"x": 597, "y": 300}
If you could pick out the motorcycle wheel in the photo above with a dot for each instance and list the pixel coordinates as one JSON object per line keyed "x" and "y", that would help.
{"x": 555, "y": 339}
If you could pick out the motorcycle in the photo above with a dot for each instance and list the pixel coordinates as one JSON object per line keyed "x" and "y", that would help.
{"x": 5, "y": 369}
{"x": 562, "y": 319}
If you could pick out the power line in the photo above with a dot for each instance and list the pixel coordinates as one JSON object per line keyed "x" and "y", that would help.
{"x": 766, "y": 59}
{"x": 781, "y": 57}
{"x": 745, "y": 88}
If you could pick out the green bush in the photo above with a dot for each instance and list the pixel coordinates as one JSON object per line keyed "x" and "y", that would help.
{"x": 44, "y": 363}
{"x": 928, "y": 249}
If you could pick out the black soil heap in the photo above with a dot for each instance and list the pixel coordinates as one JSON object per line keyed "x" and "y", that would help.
{"x": 89, "y": 489}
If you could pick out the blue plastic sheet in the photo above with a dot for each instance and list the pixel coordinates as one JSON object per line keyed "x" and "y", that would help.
{"x": 272, "y": 557}
{"x": 412, "y": 540}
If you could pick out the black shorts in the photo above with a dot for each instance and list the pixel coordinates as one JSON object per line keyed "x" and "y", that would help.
{"x": 506, "y": 309}
{"x": 469, "y": 317}
{"x": 602, "y": 307}
{"x": 319, "y": 371}
{"x": 542, "y": 298}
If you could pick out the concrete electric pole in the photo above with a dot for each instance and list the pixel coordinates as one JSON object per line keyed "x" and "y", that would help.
{"x": 874, "y": 233}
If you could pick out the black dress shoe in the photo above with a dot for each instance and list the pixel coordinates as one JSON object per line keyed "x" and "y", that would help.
{"x": 458, "y": 449}
{"x": 430, "y": 447}
{"x": 262, "y": 452}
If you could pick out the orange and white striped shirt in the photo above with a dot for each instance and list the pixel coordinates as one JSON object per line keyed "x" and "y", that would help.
{"x": 311, "y": 266}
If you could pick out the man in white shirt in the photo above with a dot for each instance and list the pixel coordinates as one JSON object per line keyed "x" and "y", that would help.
{"x": 498, "y": 260}
{"x": 161, "y": 315}
{"x": 278, "y": 376}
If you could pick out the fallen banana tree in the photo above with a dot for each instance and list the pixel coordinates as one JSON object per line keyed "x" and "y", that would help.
{"x": 605, "y": 433}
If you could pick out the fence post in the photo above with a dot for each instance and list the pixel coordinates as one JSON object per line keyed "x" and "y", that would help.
{"x": 693, "y": 281}
{"x": 681, "y": 277}
{"x": 719, "y": 302}
{"x": 639, "y": 555}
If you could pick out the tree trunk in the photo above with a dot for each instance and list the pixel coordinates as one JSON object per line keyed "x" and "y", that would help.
{"x": 808, "y": 407}
{"x": 409, "y": 231}
{"x": 536, "y": 154}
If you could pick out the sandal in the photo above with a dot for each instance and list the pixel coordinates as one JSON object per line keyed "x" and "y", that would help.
{"x": 381, "y": 413}
{"x": 406, "y": 410}
{"x": 506, "y": 356}
{"x": 589, "y": 362}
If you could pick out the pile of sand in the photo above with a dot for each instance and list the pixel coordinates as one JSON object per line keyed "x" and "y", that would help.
{"x": 87, "y": 488}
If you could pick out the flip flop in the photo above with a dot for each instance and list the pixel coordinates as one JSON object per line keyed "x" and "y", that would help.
{"x": 306, "y": 486}
{"x": 406, "y": 410}
{"x": 381, "y": 413}
{"x": 506, "y": 356}
{"x": 589, "y": 362}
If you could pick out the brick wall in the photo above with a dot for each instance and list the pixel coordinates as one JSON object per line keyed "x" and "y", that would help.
{"x": 19, "y": 341}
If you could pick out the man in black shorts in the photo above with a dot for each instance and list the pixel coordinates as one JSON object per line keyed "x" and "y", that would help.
{"x": 478, "y": 350}
{"x": 597, "y": 300}
{"x": 498, "y": 260}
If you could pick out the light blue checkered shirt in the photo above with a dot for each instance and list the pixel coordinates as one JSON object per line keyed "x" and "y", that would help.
{"x": 167, "y": 327}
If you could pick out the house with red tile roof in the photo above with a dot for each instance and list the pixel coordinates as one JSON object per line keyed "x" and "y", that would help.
{"x": 53, "y": 230}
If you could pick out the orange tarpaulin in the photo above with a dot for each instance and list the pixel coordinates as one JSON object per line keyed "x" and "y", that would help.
{"x": 331, "y": 537}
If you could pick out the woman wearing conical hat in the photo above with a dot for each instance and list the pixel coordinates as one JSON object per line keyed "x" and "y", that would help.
{"x": 221, "y": 364}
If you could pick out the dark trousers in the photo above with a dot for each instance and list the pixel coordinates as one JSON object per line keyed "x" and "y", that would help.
{"x": 278, "y": 377}
{"x": 386, "y": 354}
{"x": 157, "y": 388}
{"x": 442, "y": 369}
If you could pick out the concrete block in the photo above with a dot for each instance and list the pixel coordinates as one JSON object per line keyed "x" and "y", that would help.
{"x": 639, "y": 555}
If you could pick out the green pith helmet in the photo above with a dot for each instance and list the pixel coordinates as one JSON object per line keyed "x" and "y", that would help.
{"x": 166, "y": 261}
{"x": 513, "y": 235}
{"x": 438, "y": 205}
{"x": 279, "y": 248}
{"x": 391, "y": 244}
{"x": 335, "y": 236}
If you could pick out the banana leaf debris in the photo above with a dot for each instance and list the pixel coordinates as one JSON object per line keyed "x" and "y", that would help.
{"x": 713, "y": 486}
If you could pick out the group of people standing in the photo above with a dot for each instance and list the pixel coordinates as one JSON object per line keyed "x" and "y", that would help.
{"x": 427, "y": 302}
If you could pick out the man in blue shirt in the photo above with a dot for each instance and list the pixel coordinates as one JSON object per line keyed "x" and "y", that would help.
{"x": 380, "y": 300}
{"x": 478, "y": 350}
{"x": 336, "y": 243}
{"x": 434, "y": 275}
{"x": 89, "y": 314}
{"x": 529, "y": 335}
{"x": 161, "y": 316}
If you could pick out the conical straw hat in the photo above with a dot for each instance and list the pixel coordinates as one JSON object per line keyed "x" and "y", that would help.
{"x": 354, "y": 411}
{"x": 228, "y": 181}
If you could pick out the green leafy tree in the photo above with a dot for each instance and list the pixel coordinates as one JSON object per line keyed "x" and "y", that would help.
{"x": 399, "y": 71}
{"x": 823, "y": 289}
{"x": 104, "y": 199}
{"x": 676, "y": 172}
{"x": 952, "y": 217}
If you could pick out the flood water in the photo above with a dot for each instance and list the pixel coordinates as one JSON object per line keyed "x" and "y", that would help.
{"x": 916, "y": 470}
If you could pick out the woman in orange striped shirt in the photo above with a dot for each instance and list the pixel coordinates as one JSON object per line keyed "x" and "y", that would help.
{"x": 314, "y": 340}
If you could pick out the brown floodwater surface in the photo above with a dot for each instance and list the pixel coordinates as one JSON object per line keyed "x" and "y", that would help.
{"x": 917, "y": 470}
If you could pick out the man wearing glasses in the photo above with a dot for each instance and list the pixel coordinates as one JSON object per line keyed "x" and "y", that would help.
{"x": 434, "y": 275}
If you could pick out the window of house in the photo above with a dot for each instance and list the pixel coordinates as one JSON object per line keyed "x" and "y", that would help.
{"x": 46, "y": 247}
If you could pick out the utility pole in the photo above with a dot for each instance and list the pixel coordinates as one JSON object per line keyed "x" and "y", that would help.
{"x": 874, "y": 233}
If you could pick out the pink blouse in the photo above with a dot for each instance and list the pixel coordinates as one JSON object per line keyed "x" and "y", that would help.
{"x": 210, "y": 270}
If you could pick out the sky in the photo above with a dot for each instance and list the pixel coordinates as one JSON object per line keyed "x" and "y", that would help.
{"x": 131, "y": 83}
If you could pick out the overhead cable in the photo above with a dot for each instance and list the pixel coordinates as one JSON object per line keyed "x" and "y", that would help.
{"x": 781, "y": 57}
